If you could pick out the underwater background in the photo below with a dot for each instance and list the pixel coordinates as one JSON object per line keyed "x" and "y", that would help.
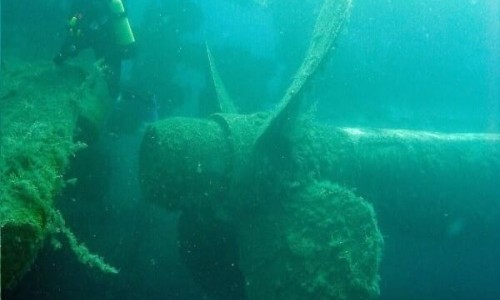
{"x": 422, "y": 65}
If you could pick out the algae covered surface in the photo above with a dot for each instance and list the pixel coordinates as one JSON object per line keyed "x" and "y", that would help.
{"x": 315, "y": 174}
{"x": 42, "y": 109}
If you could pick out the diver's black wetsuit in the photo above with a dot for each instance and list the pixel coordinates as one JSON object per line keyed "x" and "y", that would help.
{"x": 91, "y": 27}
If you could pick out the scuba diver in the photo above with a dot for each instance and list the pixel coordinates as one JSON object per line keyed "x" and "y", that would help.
{"x": 103, "y": 26}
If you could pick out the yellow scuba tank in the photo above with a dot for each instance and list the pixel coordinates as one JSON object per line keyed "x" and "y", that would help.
{"x": 121, "y": 26}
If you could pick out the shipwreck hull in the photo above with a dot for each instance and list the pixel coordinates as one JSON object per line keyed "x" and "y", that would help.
{"x": 43, "y": 111}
